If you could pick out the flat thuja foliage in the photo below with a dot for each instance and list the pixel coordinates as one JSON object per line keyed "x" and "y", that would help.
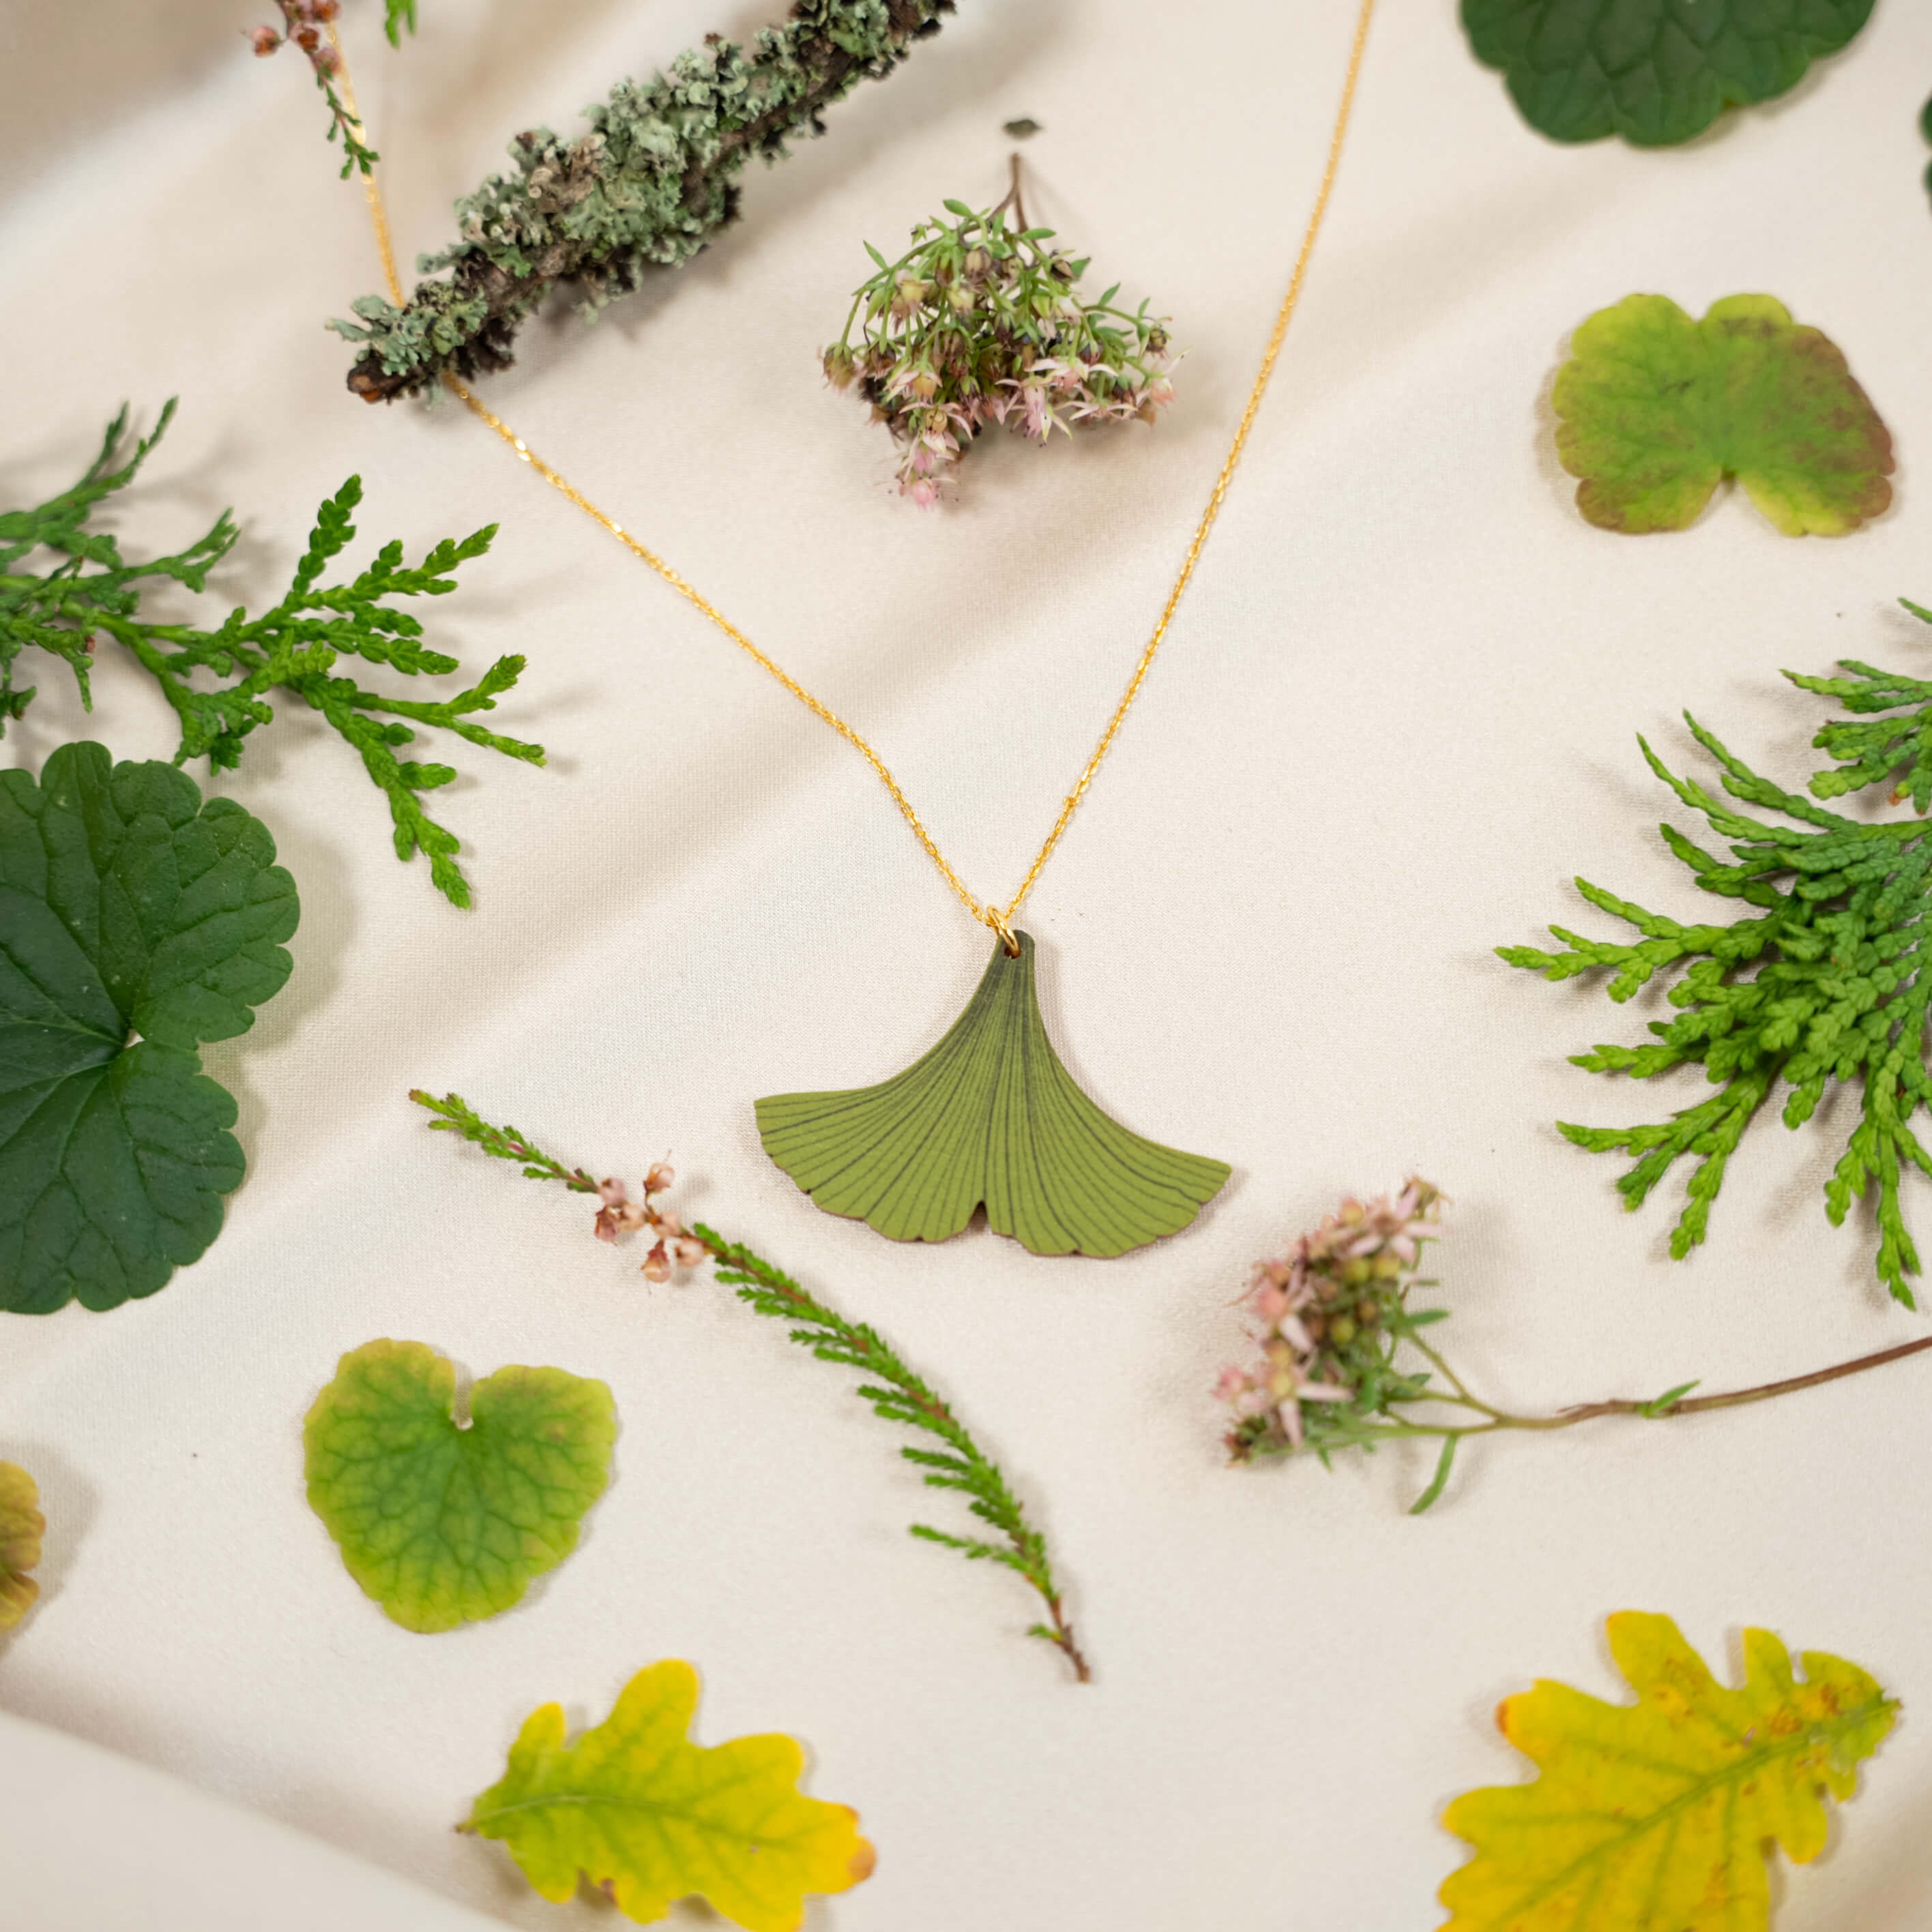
{"x": 896, "y": 1392}
{"x": 654, "y": 176}
{"x": 219, "y": 680}
{"x": 1819, "y": 984}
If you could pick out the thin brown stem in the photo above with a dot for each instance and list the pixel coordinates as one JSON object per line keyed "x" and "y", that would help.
{"x": 1731, "y": 1398}
{"x": 1012, "y": 199}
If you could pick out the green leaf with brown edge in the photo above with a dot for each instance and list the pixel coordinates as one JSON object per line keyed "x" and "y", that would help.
{"x": 21, "y": 1526}
{"x": 1656, "y": 72}
{"x": 1655, "y": 410}
{"x": 128, "y": 907}
{"x": 445, "y": 1521}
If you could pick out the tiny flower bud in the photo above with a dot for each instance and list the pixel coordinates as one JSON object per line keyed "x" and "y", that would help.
{"x": 307, "y": 39}
{"x": 610, "y": 1192}
{"x": 265, "y": 40}
{"x": 659, "y": 1179}
{"x": 839, "y": 365}
{"x": 657, "y": 1265}
{"x": 324, "y": 10}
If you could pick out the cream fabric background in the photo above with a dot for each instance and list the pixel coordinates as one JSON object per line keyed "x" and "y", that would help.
{"x": 1395, "y": 716}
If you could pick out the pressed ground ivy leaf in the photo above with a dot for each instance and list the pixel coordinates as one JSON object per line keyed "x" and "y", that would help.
{"x": 1655, "y": 410}
{"x": 21, "y": 1526}
{"x": 1655, "y": 71}
{"x": 634, "y": 1806}
{"x": 136, "y": 922}
{"x": 1654, "y": 1817}
{"x": 444, "y": 1521}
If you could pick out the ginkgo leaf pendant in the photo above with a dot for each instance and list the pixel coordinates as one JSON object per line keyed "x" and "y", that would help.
{"x": 989, "y": 1116}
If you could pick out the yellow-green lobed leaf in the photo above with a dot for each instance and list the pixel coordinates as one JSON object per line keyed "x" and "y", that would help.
{"x": 1654, "y": 1817}
{"x": 988, "y": 1116}
{"x": 634, "y": 1806}
{"x": 1655, "y": 410}
{"x": 21, "y": 1526}
{"x": 444, "y": 1523}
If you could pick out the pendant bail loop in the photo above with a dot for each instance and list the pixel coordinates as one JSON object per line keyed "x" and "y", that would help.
{"x": 996, "y": 920}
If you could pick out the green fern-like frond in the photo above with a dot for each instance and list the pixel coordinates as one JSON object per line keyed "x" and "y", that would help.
{"x": 1897, "y": 748}
{"x": 1818, "y": 983}
{"x": 219, "y": 681}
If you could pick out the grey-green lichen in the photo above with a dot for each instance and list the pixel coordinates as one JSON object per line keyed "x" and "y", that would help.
{"x": 645, "y": 186}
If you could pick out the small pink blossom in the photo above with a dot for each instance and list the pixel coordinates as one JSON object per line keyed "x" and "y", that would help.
{"x": 1324, "y": 1298}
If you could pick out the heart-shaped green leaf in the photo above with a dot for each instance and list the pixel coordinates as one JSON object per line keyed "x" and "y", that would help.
{"x": 128, "y": 907}
{"x": 1655, "y": 410}
{"x": 1655, "y": 71}
{"x": 443, "y": 1522}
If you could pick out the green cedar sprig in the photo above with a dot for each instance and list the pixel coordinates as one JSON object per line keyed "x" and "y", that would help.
{"x": 645, "y": 187}
{"x": 895, "y": 1393}
{"x": 1819, "y": 984}
{"x": 1869, "y": 754}
{"x": 90, "y": 591}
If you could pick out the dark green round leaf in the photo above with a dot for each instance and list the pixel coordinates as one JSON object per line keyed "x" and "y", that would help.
{"x": 1655, "y": 71}
{"x": 129, "y": 911}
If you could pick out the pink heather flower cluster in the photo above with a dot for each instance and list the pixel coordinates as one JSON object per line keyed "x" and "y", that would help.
{"x": 981, "y": 326}
{"x": 304, "y": 20}
{"x": 673, "y": 1247}
{"x": 1316, "y": 1308}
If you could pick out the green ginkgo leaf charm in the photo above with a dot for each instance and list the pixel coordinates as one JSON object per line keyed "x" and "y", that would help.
{"x": 989, "y": 1116}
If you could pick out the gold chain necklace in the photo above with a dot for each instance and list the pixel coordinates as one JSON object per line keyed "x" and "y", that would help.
{"x": 989, "y": 1116}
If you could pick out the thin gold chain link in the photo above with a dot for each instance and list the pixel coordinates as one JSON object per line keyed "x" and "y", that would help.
{"x": 989, "y": 913}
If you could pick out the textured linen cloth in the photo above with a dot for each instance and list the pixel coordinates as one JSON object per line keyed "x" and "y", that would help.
{"x": 1395, "y": 715}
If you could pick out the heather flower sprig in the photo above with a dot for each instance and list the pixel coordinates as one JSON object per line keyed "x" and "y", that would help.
{"x": 306, "y": 25}
{"x": 1330, "y": 1321}
{"x": 895, "y": 1393}
{"x": 980, "y": 322}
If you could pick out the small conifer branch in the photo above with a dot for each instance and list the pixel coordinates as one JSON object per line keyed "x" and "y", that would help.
{"x": 299, "y": 645}
{"x": 1332, "y": 1326}
{"x": 895, "y": 1393}
{"x": 646, "y": 187}
{"x": 1821, "y": 982}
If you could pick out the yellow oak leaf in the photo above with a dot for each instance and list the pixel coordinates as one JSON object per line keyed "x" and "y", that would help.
{"x": 21, "y": 1526}
{"x": 637, "y": 1808}
{"x": 1656, "y": 1817}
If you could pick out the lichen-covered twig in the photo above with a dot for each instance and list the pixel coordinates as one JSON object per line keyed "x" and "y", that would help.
{"x": 893, "y": 1389}
{"x": 645, "y": 187}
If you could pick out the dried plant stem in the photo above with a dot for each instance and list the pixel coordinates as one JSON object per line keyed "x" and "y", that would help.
{"x": 894, "y": 1391}
{"x": 1656, "y": 1410}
